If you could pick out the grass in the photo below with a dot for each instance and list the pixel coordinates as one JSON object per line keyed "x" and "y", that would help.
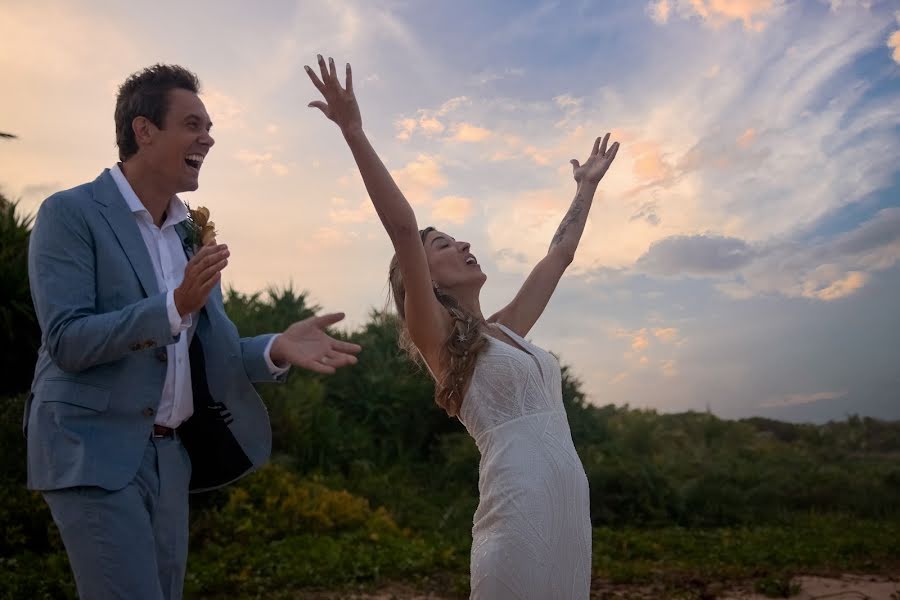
{"x": 666, "y": 562}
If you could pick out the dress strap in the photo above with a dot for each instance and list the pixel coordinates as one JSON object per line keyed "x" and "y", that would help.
{"x": 509, "y": 331}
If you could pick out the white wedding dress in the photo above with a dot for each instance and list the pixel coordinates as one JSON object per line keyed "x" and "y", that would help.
{"x": 531, "y": 536}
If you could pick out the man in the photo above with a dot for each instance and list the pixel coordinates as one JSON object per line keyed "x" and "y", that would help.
{"x": 143, "y": 389}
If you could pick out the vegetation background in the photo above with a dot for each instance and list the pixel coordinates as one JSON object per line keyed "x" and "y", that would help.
{"x": 371, "y": 485}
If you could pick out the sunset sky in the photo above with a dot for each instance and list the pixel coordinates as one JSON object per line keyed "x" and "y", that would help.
{"x": 742, "y": 252}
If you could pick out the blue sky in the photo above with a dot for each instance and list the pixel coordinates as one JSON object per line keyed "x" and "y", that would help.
{"x": 741, "y": 255}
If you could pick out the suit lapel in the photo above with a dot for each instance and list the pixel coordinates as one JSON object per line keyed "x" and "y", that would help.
{"x": 124, "y": 226}
{"x": 184, "y": 234}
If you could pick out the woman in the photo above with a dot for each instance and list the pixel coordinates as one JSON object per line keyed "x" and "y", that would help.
{"x": 532, "y": 529}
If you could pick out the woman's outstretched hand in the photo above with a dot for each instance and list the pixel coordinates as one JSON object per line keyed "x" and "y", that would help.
{"x": 340, "y": 103}
{"x": 593, "y": 170}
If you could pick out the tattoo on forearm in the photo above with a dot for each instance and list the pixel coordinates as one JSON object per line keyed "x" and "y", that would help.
{"x": 574, "y": 213}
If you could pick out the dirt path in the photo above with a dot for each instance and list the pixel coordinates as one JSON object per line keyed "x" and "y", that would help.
{"x": 846, "y": 587}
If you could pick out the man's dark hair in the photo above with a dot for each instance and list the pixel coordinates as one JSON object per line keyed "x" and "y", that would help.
{"x": 146, "y": 94}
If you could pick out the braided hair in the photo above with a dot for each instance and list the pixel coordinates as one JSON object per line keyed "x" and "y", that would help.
{"x": 460, "y": 350}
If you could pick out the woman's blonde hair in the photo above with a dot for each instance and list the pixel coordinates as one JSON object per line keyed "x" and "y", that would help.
{"x": 460, "y": 350}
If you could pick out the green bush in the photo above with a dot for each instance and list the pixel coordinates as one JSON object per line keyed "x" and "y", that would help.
{"x": 372, "y": 482}
{"x": 19, "y": 328}
{"x": 276, "y": 531}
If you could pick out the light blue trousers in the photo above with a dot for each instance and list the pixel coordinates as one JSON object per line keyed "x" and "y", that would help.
{"x": 130, "y": 543}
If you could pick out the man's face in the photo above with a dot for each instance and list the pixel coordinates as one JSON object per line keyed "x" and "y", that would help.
{"x": 179, "y": 148}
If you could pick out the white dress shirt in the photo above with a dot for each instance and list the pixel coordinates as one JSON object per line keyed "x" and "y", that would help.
{"x": 169, "y": 261}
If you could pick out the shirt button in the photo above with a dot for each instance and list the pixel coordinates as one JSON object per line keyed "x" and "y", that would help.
{"x": 149, "y": 412}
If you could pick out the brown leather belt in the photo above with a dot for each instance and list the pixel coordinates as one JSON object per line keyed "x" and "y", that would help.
{"x": 161, "y": 431}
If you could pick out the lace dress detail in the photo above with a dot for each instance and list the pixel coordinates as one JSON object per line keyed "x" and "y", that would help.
{"x": 531, "y": 534}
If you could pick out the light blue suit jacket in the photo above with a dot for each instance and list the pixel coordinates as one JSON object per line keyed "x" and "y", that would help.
{"x": 102, "y": 362}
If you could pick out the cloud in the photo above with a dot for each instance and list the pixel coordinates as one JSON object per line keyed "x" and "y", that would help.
{"x": 669, "y": 368}
{"x": 837, "y": 5}
{"x": 809, "y": 398}
{"x": 453, "y": 209}
{"x": 639, "y": 340}
{"x": 746, "y": 138}
{"x": 431, "y": 125}
{"x": 340, "y": 213}
{"x": 695, "y": 255}
{"x": 488, "y": 76}
{"x": 893, "y": 43}
{"x": 649, "y": 164}
{"x": 225, "y": 111}
{"x": 40, "y": 191}
{"x": 659, "y": 11}
{"x": 880, "y": 232}
{"x": 619, "y": 377}
{"x": 715, "y": 13}
{"x": 568, "y": 102}
{"x": 649, "y": 352}
{"x": 420, "y": 178}
{"x": 829, "y": 282}
{"x": 428, "y": 121}
{"x": 465, "y": 132}
{"x": 261, "y": 162}
{"x": 666, "y": 334}
{"x": 825, "y": 269}
{"x": 333, "y": 238}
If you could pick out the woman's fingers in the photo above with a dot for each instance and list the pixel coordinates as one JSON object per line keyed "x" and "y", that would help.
{"x": 603, "y": 146}
{"x": 323, "y": 69}
{"x": 612, "y": 151}
{"x": 316, "y": 82}
{"x": 320, "y": 105}
{"x": 349, "y": 79}
{"x": 332, "y": 72}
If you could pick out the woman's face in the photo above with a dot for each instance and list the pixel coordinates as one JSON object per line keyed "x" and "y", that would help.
{"x": 451, "y": 263}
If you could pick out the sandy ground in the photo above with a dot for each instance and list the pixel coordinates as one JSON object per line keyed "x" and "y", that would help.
{"x": 846, "y": 587}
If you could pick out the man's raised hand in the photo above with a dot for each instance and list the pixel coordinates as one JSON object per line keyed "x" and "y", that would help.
{"x": 306, "y": 344}
{"x": 201, "y": 274}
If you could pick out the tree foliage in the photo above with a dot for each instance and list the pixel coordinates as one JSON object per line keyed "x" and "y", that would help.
{"x": 20, "y": 335}
{"x": 371, "y": 480}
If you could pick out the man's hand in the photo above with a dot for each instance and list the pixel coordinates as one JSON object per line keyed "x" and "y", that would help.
{"x": 201, "y": 274}
{"x": 305, "y": 344}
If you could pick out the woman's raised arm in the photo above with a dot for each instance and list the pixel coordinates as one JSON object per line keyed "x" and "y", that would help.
{"x": 522, "y": 313}
{"x": 428, "y": 322}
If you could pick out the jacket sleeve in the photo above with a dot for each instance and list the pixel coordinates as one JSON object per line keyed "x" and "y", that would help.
{"x": 253, "y": 354}
{"x": 63, "y": 278}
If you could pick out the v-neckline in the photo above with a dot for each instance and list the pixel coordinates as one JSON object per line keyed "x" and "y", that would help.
{"x": 516, "y": 345}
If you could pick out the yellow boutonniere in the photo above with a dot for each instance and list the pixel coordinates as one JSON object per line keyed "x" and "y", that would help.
{"x": 203, "y": 231}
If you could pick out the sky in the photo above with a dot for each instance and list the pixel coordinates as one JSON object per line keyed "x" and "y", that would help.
{"x": 742, "y": 254}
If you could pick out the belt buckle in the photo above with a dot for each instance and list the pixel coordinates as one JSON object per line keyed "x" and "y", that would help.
{"x": 170, "y": 433}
